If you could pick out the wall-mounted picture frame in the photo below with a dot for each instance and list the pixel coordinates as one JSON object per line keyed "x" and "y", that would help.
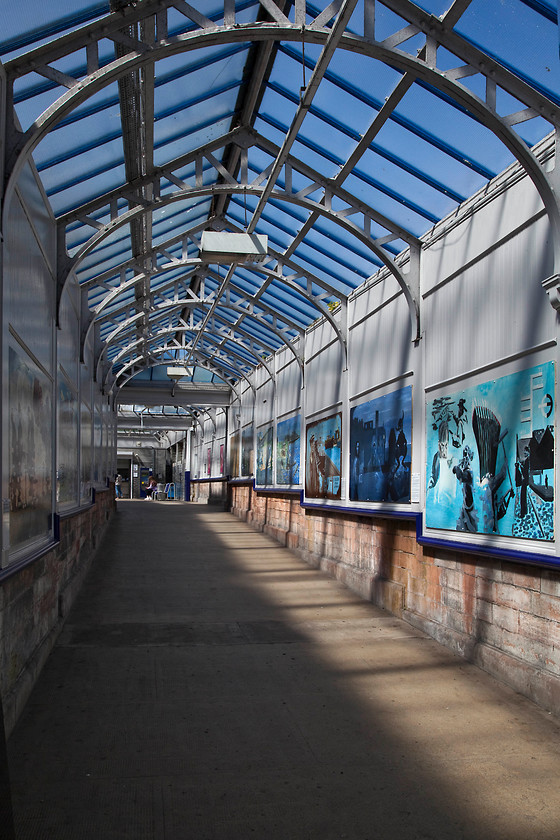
{"x": 380, "y": 448}
{"x": 490, "y": 457}
{"x": 288, "y": 449}
{"x": 323, "y": 458}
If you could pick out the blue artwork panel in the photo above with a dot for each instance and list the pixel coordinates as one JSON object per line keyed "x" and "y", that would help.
{"x": 264, "y": 456}
{"x": 490, "y": 451}
{"x": 288, "y": 450}
{"x": 323, "y": 461}
{"x": 380, "y": 436}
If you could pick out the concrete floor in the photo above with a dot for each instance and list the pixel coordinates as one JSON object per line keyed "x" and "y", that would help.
{"x": 208, "y": 685}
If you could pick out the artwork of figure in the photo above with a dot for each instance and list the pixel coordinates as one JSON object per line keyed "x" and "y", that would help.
{"x": 323, "y": 459}
{"x": 467, "y": 518}
{"x": 380, "y": 432}
{"x": 288, "y": 450}
{"x": 489, "y": 439}
{"x": 264, "y": 456}
{"x": 234, "y": 455}
{"x": 503, "y": 481}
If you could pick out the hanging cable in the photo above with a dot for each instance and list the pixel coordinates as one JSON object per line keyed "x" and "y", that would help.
{"x": 304, "y": 85}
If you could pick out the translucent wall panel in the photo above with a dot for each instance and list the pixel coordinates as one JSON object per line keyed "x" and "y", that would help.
{"x": 380, "y": 346}
{"x": 493, "y": 223}
{"x": 40, "y": 215}
{"x": 68, "y": 338}
{"x": 288, "y": 390}
{"x": 68, "y": 444}
{"x": 264, "y": 403}
{"x": 86, "y": 453}
{"x": 97, "y": 455}
{"x": 29, "y": 287}
{"x": 31, "y": 436}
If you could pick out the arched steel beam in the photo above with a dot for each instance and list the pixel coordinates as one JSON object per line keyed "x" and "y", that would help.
{"x": 21, "y": 145}
{"x": 119, "y": 333}
{"x": 116, "y": 293}
{"x": 323, "y": 209}
{"x": 192, "y": 299}
{"x": 158, "y": 308}
{"x": 165, "y": 308}
{"x": 140, "y": 364}
{"x": 229, "y": 368}
{"x": 189, "y": 411}
{"x": 175, "y": 264}
{"x": 172, "y": 331}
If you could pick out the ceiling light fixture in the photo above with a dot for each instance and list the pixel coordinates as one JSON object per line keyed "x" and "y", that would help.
{"x": 224, "y": 247}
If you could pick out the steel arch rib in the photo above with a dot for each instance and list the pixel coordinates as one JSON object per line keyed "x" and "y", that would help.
{"x": 180, "y": 304}
{"x": 160, "y": 351}
{"x": 178, "y": 328}
{"x": 83, "y": 90}
{"x": 120, "y": 331}
{"x": 215, "y": 339}
{"x": 155, "y": 360}
{"x": 125, "y": 218}
{"x": 280, "y": 31}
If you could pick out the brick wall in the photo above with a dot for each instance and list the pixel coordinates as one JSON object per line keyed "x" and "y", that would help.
{"x": 503, "y": 616}
{"x": 35, "y": 601}
{"x": 209, "y": 492}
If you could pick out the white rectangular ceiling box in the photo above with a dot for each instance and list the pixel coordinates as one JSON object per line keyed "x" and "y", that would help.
{"x": 223, "y": 247}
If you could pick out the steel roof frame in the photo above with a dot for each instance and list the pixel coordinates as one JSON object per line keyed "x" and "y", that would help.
{"x": 140, "y": 35}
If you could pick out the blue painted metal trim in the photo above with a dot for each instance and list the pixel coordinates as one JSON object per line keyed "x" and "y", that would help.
{"x": 81, "y": 71}
{"x": 287, "y": 209}
{"x": 509, "y": 555}
{"x": 542, "y": 9}
{"x": 113, "y": 164}
{"x": 209, "y": 479}
{"x": 16, "y": 567}
{"x": 550, "y": 94}
{"x": 392, "y": 513}
{"x": 56, "y": 527}
{"x": 294, "y": 310}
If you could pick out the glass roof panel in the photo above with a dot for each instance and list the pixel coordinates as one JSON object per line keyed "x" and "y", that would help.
{"x": 423, "y": 159}
{"x": 509, "y": 31}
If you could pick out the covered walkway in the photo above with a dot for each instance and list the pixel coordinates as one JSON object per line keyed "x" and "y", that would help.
{"x": 210, "y": 685}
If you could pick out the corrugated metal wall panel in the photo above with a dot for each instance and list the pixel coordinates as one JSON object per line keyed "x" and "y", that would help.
{"x": 288, "y": 389}
{"x": 264, "y": 403}
{"x": 380, "y": 346}
{"x": 492, "y": 310}
{"x": 324, "y": 379}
